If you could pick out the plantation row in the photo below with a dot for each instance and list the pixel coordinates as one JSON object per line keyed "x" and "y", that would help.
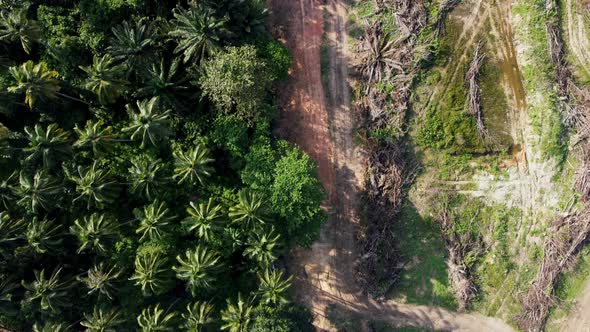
{"x": 141, "y": 187}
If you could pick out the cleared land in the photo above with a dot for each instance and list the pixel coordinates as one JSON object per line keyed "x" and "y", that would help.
{"x": 324, "y": 277}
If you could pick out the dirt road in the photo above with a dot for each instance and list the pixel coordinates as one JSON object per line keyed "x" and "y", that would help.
{"x": 322, "y": 124}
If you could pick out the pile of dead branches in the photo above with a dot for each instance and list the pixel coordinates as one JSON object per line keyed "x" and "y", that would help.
{"x": 386, "y": 58}
{"x": 459, "y": 245}
{"x": 380, "y": 262}
{"x": 567, "y": 237}
{"x": 472, "y": 82}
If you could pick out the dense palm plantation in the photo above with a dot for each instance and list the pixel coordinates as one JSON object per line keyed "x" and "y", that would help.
{"x": 141, "y": 188}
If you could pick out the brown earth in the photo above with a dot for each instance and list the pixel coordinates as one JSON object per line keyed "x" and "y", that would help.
{"x": 322, "y": 124}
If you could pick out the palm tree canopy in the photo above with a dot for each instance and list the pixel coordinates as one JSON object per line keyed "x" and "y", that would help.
{"x": 131, "y": 42}
{"x": 262, "y": 246}
{"x": 192, "y": 165}
{"x": 93, "y": 184}
{"x": 197, "y": 268}
{"x": 236, "y": 317}
{"x": 50, "y": 293}
{"x": 204, "y": 219}
{"x": 100, "y": 279}
{"x": 153, "y": 219}
{"x": 150, "y": 273}
{"x": 102, "y": 320}
{"x": 146, "y": 177}
{"x": 250, "y": 209}
{"x": 197, "y": 316}
{"x": 35, "y": 81}
{"x": 50, "y": 327}
{"x": 154, "y": 319}
{"x": 10, "y": 229}
{"x": 149, "y": 125}
{"x": 94, "y": 136}
{"x": 43, "y": 235}
{"x": 106, "y": 78}
{"x": 94, "y": 232}
{"x": 50, "y": 144}
{"x": 198, "y": 32}
{"x": 273, "y": 287}
{"x": 15, "y": 26}
{"x": 37, "y": 192}
{"x": 164, "y": 81}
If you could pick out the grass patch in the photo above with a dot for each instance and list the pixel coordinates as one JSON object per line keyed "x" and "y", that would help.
{"x": 378, "y": 326}
{"x": 569, "y": 287}
{"x": 424, "y": 279}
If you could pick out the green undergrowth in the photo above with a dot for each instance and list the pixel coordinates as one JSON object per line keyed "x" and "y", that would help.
{"x": 424, "y": 278}
{"x": 569, "y": 287}
{"x": 539, "y": 74}
{"x": 446, "y": 125}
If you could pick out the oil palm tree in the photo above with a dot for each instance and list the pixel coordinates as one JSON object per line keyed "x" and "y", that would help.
{"x": 100, "y": 279}
{"x": 154, "y": 319}
{"x": 204, "y": 219}
{"x": 95, "y": 136}
{"x": 197, "y": 316}
{"x": 237, "y": 316}
{"x": 192, "y": 165}
{"x": 16, "y": 27}
{"x": 131, "y": 43}
{"x": 7, "y": 287}
{"x": 43, "y": 235}
{"x": 94, "y": 184}
{"x": 151, "y": 273}
{"x": 166, "y": 82}
{"x": 250, "y": 209}
{"x": 198, "y": 32}
{"x": 261, "y": 247}
{"x": 50, "y": 327}
{"x": 146, "y": 177}
{"x": 94, "y": 232}
{"x": 153, "y": 219}
{"x": 102, "y": 320}
{"x": 149, "y": 125}
{"x": 7, "y": 188}
{"x": 37, "y": 192}
{"x": 106, "y": 78}
{"x": 273, "y": 287}
{"x": 10, "y": 230}
{"x": 198, "y": 269}
{"x": 35, "y": 81}
{"x": 50, "y": 144}
{"x": 49, "y": 293}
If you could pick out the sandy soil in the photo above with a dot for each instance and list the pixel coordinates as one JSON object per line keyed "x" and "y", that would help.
{"x": 578, "y": 320}
{"x": 322, "y": 124}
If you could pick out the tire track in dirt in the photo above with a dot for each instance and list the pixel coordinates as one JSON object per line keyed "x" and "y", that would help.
{"x": 322, "y": 124}
{"x": 577, "y": 35}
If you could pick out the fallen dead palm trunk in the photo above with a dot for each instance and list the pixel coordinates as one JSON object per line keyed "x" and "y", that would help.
{"x": 472, "y": 78}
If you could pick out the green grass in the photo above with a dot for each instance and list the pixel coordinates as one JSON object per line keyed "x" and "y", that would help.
{"x": 569, "y": 287}
{"x": 424, "y": 279}
{"x": 379, "y": 326}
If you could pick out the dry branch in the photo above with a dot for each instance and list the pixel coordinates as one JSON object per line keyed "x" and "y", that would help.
{"x": 472, "y": 82}
{"x": 568, "y": 234}
{"x": 459, "y": 245}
